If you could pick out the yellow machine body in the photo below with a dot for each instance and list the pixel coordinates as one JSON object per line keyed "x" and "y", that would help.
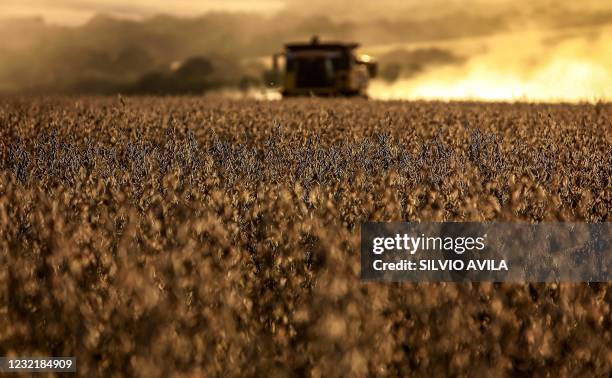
{"x": 325, "y": 69}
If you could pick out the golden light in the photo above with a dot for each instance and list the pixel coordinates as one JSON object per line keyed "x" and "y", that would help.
{"x": 575, "y": 70}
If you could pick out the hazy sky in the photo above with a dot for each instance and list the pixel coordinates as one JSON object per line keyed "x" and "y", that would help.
{"x": 75, "y": 12}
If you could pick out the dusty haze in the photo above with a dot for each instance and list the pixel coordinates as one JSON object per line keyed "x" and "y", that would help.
{"x": 494, "y": 50}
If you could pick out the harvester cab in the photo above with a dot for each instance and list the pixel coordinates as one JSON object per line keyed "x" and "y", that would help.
{"x": 324, "y": 69}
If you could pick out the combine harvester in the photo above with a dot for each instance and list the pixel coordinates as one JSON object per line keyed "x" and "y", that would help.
{"x": 324, "y": 69}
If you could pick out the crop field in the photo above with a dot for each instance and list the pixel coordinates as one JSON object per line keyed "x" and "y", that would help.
{"x": 207, "y": 237}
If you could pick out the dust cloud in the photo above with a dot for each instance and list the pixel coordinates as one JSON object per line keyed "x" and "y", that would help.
{"x": 540, "y": 50}
{"x": 531, "y": 66}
